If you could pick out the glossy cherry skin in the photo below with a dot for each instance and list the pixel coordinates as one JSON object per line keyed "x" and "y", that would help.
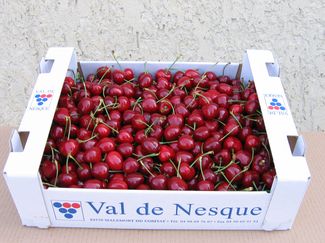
{"x": 260, "y": 164}
{"x": 69, "y": 147}
{"x": 186, "y": 171}
{"x": 233, "y": 173}
{"x": 61, "y": 116}
{"x": 84, "y": 172}
{"x": 166, "y": 153}
{"x": 114, "y": 160}
{"x": 243, "y": 157}
{"x": 134, "y": 179}
{"x": 150, "y": 145}
{"x": 186, "y": 142}
{"x": 93, "y": 155}
{"x": 176, "y": 184}
{"x": 172, "y": 132}
{"x": 223, "y": 157}
{"x": 249, "y": 178}
{"x": 268, "y": 178}
{"x": 67, "y": 179}
{"x": 106, "y": 145}
{"x": 100, "y": 171}
{"x": 130, "y": 165}
{"x": 49, "y": 169}
{"x": 94, "y": 184}
{"x": 159, "y": 182}
{"x": 205, "y": 185}
{"x": 224, "y": 186}
{"x": 117, "y": 185}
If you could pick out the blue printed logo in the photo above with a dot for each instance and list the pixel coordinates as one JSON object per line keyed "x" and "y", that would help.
{"x": 64, "y": 210}
{"x": 275, "y": 104}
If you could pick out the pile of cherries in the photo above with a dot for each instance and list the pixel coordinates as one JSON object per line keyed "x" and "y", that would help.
{"x": 161, "y": 131}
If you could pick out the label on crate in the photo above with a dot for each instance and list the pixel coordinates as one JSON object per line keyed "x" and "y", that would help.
{"x": 64, "y": 210}
{"x": 119, "y": 212}
{"x": 275, "y": 104}
{"x": 41, "y": 100}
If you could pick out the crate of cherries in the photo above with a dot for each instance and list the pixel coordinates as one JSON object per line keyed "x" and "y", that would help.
{"x": 168, "y": 130}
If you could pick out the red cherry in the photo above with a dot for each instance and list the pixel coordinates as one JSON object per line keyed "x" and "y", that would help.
{"x": 130, "y": 165}
{"x": 243, "y": 157}
{"x": 252, "y": 142}
{"x": 186, "y": 171}
{"x": 114, "y": 160}
{"x": 159, "y": 182}
{"x": 232, "y": 143}
{"x": 268, "y": 178}
{"x": 106, "y": 145}
{"x": 176, "y": 184}
{"x": 172, "y": 132}
{"x": 150, "y": 145}
{"x": 85, "y": 105}
{"x": 233, "y": 173}
{"x": 100, "y": 171}
{"x": 93, "y": 155}
{"x": 102, "y": 130}
{"x": 205, "y": 186}
{"x": 61, "y": 116}
{"x": 94, "y": 184}
{"x": 49, "y": 169}
{"x": 119, "y": 185}
{"x": 186, "y": 142}
{"x": 166, "y": 153}
{"x": 133, "y": 180}
{"x": 69, "y": 147}
{"x": 67, "y": 179}
{"x": 84, "y": 172}
{"x": 249, "y": 178}
{"x": 128, "y": 74}
{"x": 125, "y": 149}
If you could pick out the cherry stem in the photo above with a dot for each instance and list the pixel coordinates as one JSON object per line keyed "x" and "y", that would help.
{"x": 224, "y": 68}
{"x": 233, "y": 115}
{"x": 104, "y": 106}
{"x": 113, "y": 54}
{"x": 168, "y": 142}
{"x": 148, "y": 156}
{"x": 66, "y": 164}
{"x": 149, "y": 127}
{"x": 86, "y": 140}
{"x": 201, "y": 169}
{"x": 177, "y": 171}
{"x": 237, "y": 101}
{"x": 207, "y": 153}
{"x": 102, "y": 77}
{"x": 112, "y": 128}
{"x": 170, "y": 91}
{"x": 56, "y": 172}
{"x": 256, "y": 188}
{"x": 222, "y": 123}
{"x": 204, "y": 97}
{"x": 48, "y": 184}
{"x": 79, "y": 165}
{"x": 228, "y": 133}
{"x": 85, "y": 88}
{"x": 153, "y": 93}
{"x": 229, "y": 183}
{"x": 145, "y": 167}
{"x": 136, "y": 103}
{"x": 267, "y": 150}
{"x": 202, "y": 77}
{"x": 170, "y": 103}
{"x": 222, "y": 168}
{"x": 170, "y": 67}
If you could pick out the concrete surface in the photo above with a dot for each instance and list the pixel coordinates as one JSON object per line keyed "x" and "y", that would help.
{"x": 160, "y": 30}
